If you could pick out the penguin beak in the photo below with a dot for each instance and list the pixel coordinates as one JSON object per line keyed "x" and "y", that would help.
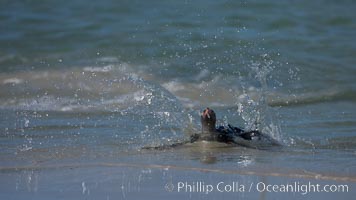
{"x": 206, "y": 113}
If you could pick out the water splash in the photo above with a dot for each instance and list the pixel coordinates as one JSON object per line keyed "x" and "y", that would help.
{"x": 84, "y": 188}
{"x": 27, "y": 179}
{"x": 161, "y": 110}
{"x": 155, "y": 114}
{"x": 252, "y": 103}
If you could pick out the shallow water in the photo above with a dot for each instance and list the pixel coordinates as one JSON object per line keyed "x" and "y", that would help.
{"x": 85, "y": 87}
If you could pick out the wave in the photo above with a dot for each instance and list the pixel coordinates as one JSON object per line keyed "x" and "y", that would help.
{"x": 118, "y": 87}
{"x": 193, "y": 95}
{"x": 108, "y": 88}
{"x": 328, "y": 95}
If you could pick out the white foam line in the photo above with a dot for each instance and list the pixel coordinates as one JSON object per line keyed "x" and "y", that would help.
{"x": 12, "y": 81}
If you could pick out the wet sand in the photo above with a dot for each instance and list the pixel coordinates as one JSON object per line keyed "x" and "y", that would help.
{"x": 152, "y": 181}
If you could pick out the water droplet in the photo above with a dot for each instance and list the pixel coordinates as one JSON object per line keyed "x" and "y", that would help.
{"x": 27, "y": 122}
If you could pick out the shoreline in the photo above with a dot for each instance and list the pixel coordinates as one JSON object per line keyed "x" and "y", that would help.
{"x": 242, "y": 172}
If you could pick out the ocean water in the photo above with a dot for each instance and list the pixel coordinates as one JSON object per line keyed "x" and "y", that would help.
{"x": 85, "y": 87}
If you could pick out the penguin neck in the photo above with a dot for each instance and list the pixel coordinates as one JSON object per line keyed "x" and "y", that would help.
{"x": 208, "y": 128}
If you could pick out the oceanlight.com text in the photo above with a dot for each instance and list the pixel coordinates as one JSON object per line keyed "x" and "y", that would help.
{"x": 235, "y": 186}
